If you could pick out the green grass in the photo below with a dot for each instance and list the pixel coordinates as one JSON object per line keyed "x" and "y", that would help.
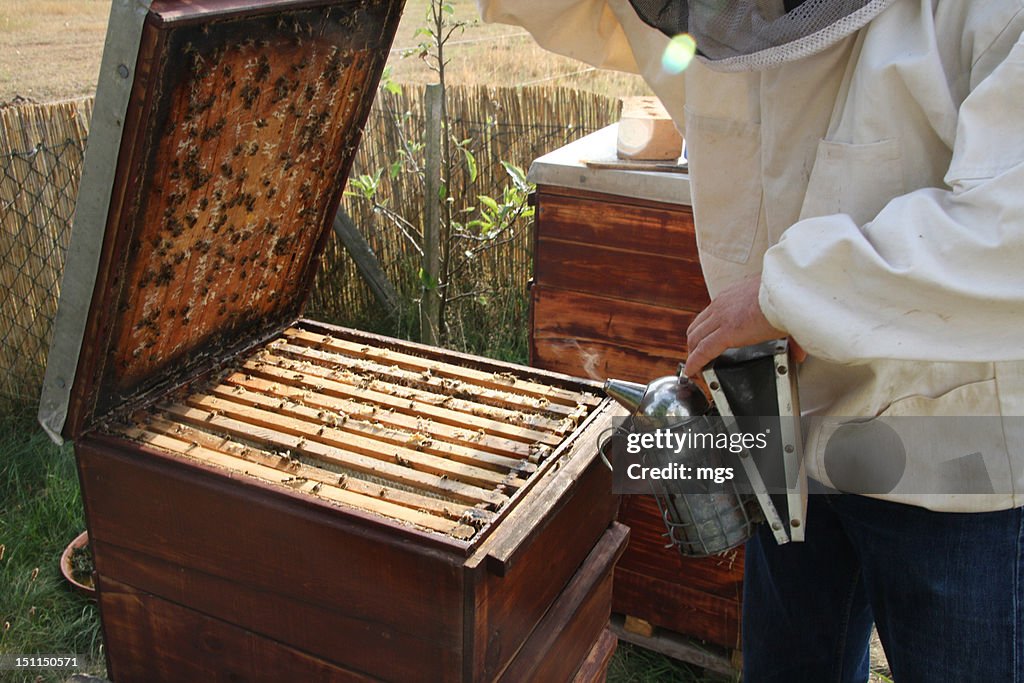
{"x": 40, "y": 512}
{"x": 632, "y": 664}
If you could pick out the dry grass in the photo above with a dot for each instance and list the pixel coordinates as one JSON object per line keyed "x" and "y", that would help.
{"x": 51, "y": 49}
{"x": 494, "y": 54}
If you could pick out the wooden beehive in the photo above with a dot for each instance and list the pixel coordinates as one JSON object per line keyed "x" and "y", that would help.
{"x": 617, "y": 280}
{"x": 271, "y": 498}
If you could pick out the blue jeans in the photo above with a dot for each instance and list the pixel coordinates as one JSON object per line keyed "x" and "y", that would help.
{"x": 946, "y": 591}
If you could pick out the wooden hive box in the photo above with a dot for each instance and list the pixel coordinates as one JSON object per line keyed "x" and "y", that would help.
{"x": 271, "y": 498}
{"x": 617, "y": 281}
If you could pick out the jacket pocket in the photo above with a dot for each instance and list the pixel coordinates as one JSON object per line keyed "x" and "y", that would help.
{"x": 972, "y": 399}
{"x": 856, "y": 180}
{"x": 726, "y": 186}
{"x": 921, "y": 448}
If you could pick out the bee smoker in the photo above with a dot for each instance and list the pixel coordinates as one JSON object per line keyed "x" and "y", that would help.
{"x": 752, "y": 391}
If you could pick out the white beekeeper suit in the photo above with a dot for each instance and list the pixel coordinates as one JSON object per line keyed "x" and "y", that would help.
{"x": 878, "y": 187}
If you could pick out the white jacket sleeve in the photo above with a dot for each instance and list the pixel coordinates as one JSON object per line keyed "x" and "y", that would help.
{"x": 586, "y": 30}
{"x": 604, "y": 33}
{"x": 938, "y": 275}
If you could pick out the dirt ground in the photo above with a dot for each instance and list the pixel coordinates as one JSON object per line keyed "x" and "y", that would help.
{"x": 879, "y": 666}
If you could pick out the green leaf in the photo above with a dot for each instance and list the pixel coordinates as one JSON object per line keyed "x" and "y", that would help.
{"x": 518, "y": 177}
{"x": 489, "y": 203}
{"x": 427, "y": 280}
{"x": 471, "y": 164}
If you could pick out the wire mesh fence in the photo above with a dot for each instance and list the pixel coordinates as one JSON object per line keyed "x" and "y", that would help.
{"x": 41, "y": 152}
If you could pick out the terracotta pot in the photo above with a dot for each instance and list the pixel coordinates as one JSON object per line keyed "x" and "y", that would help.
{"x": 87, "y": 588}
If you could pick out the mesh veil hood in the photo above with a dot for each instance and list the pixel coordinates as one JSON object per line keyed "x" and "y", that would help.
{"x": 746, "y": 35}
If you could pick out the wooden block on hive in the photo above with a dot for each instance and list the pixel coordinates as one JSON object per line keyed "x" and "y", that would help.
{"x": 646, "y": 131}
{"x": 641, "y": 627}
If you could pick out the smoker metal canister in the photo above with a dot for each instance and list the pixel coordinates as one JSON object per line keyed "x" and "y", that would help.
{"x": 701, "y": 518}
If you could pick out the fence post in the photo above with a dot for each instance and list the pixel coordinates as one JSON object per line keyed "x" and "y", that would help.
{"x": 366, "y": 262}
{"x": 430, "y": 304}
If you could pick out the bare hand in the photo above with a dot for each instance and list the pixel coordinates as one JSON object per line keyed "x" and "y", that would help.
{"x": 732, "y": 320}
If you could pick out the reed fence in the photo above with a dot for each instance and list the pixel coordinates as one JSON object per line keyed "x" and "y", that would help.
{"x": 41, "y": 151}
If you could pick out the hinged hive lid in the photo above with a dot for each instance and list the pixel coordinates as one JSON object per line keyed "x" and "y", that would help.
{"x": 222, "y": 135}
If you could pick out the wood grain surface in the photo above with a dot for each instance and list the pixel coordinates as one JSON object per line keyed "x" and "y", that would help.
{"x": 204, "y": 648}
{"x": 238, "y": 138}
{"x": 219, "y": 499}
{"x": 576, "y": 620}
{"x": 617, "y": 283}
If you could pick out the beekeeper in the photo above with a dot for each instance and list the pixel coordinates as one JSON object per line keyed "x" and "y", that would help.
{"x": 857, "y": 174}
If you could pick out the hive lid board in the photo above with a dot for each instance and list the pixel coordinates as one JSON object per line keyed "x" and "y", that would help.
{"x": 222, "y": 135}
{"x": 591, "y": 164}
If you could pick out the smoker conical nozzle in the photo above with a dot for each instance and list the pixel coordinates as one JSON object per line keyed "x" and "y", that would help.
{"x": 628, "y": 394}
